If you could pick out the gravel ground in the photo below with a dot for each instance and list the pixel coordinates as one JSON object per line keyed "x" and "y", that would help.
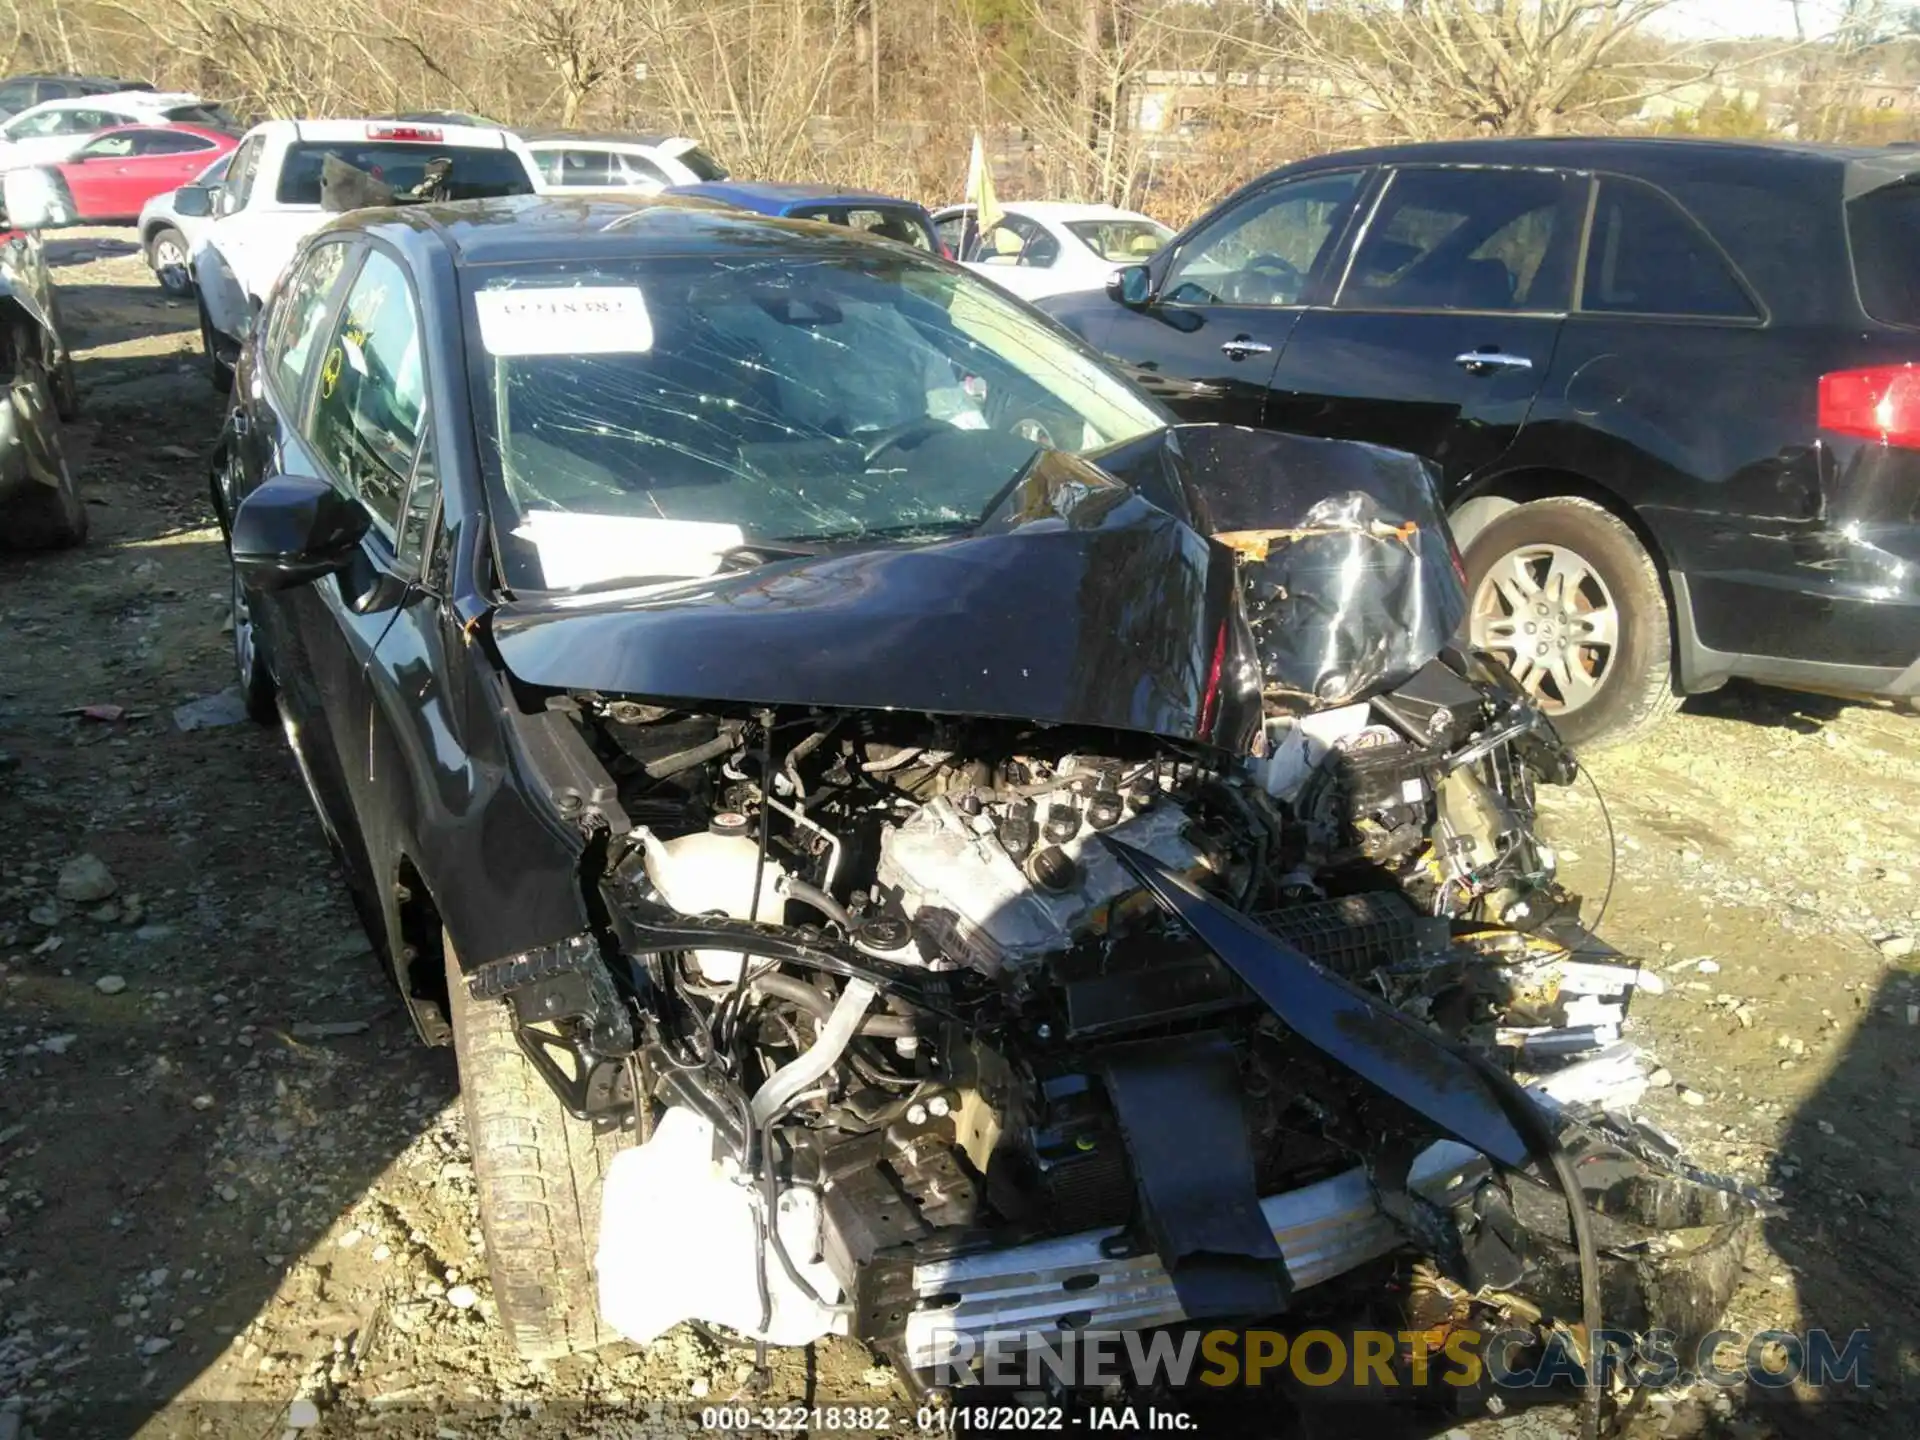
{"x": 235, "y": 1195}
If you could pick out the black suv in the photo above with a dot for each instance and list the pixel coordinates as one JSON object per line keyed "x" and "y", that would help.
{"x": 21, "y": 92}
{"x": 1667, "y": 384}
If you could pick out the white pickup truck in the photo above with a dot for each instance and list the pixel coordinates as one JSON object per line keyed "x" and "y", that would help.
{"x": 271, "y": 200}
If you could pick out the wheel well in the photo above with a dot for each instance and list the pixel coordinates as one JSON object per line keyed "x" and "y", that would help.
{"x": 1473, "y": 514}
{"x": 420, "y": 963}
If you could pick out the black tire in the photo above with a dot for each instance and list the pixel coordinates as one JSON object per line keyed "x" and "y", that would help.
{"x": 173, "y": 277}
{"x": 250, "y": 663}
{"x": 45, "y": 517}
{"x": 218, "y": 370}
{"x": 1632, "y": 682}
{"x": 539, "y": 1174}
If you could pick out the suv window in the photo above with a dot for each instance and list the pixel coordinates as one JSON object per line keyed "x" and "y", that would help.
{"x": 169, "y": 142}
{"x": 1883, "y": 230}
{"x": 576, "y": 167}
{"x": 297, "y": 316}
{"x": 1647, "y": 256}
{"x": 1466, "y": 240}
{"x": 1264, "y": 250}
{"x": 369, "y": 410}
{"x": 638, "y": 170}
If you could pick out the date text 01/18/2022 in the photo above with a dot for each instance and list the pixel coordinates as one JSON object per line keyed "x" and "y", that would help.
{"x": 938, "y": 1419}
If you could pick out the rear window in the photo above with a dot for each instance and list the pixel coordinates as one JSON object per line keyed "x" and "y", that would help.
{"x": 477, "y": 174}
{"x": 1883, "y": 227}
{"x": 1121, "y": 241}
{"x": 887, "y": 221}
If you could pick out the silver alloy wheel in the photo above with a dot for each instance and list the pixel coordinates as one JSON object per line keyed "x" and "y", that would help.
{"x": 170, "y": 265}
{"x": 242, "y": 632}
{"x": 1546, "y": 612}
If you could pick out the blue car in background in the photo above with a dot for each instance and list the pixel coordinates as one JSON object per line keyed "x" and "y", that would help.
{"x": 881, "y": 215}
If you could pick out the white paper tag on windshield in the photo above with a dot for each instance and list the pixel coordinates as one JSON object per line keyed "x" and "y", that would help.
{"x": 585, "y": 549}
{"x": 578, "y": 320}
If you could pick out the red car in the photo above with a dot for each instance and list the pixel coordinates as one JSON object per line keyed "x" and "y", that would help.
{"x": 119, "y": 170}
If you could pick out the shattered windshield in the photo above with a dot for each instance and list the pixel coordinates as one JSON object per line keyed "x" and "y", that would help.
{"x": 644, "y": 420}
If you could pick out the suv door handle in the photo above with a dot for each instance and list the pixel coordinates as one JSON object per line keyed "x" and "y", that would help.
{"x": 240, "y": 421}
{"x": 1242, "y": 346}
{"x": 1486, "y": 362}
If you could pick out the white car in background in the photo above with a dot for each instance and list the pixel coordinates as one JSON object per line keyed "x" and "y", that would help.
{"x": 167, "y": 237}
{"x": 634, "y": 164}
{"x": 51, "y": 132}
{"x": 1047, "y": 247}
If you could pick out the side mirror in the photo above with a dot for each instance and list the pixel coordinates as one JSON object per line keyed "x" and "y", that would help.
{"x": 36, "y": 199}
{"x": 294, "y": 529}
{"x": 1132, "y": 286}
{"x": 195, "y": 202}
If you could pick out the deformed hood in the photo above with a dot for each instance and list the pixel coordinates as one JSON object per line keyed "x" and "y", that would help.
{"x": 1077, "y": 602}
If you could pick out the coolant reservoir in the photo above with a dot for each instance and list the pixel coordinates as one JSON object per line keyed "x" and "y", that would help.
{"x": 711, "y": 872}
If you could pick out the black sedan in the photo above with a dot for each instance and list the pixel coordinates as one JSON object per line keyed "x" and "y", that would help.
{"x": 835, "y": 762}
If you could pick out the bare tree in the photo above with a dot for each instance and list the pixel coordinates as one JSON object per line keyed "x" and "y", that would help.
{"x": 584, "y": 43}
{"x": 1429, "y": 68}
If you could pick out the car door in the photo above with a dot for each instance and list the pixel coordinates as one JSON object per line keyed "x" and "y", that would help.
{"x": 96, "y": 174}
{"x": 1225, "y": 298}
{"x": 274, "y": 389}
{"x": 364, "y": 428}
{"x": 1446, "y": 317}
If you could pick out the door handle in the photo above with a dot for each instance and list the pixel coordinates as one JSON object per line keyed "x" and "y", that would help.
{"x": 1242, "y": 346}
{"x": 241, "y": 424}
{"x": 1488, "y": 362}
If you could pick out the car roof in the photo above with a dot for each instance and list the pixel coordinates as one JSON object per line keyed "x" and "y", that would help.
{"x": 338, "y": 131}
{"x": 555, "y": 139}
{"x": 129, "y": 99}
{"x": 530, "y": 229}
{"x": 1607, "y": 151}
{"x": 772, "y": 199}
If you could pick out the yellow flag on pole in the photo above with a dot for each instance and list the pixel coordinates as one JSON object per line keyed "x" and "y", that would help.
{"x": 979, "y": 194}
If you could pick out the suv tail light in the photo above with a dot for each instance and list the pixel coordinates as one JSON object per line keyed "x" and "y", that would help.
{"x": 1881, "y": 403}
{"x": 404, "y": 132}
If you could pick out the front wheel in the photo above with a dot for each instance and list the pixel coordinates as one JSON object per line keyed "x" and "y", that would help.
{"x": 1564, "y": 593}
{"x": 539, "y": 1174}
{"x": 167, "y": 254}
{"x": 257, "y": 687}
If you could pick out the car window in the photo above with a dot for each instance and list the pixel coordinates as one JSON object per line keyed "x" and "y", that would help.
{"x": 953, "y": 231}
{"x": 1480, "y": 239}
{"x": 298, "y": 313}
{"x": 887, "y": 222}
{"x": 1122, "y": 242}
{"x": 85, "y": 122}
{"x": 33, "y": 127}
{"x": 107, "y": 147}
{"x": 1265, "y": 249}
{"x": 1647, "y": 256}
{"x": 371, "y": 396}
{"x": 240, "y": 172}
{"x": 577, "y": 167}
{"x": 638, "y": 170}
{"x": 1883, "y": 231}
{"x": 169, "y": 142}
{"x": 1016, "y": 240}
{"x": 703, "y": 165}
{"x": 17, "y": 96}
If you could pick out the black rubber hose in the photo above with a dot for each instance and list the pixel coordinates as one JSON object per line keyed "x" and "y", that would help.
{"x": 787, "y": 987}
{"x": 667, "y": 766}
{"x": 1546, "y": 1148}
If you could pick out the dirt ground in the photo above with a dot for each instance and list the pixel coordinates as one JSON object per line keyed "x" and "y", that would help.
{"x": 230, "y": 1181}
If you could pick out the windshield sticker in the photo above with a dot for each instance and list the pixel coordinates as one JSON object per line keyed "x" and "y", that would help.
{"x": 579, "y": 320}
{"x": 577, "y": 548}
